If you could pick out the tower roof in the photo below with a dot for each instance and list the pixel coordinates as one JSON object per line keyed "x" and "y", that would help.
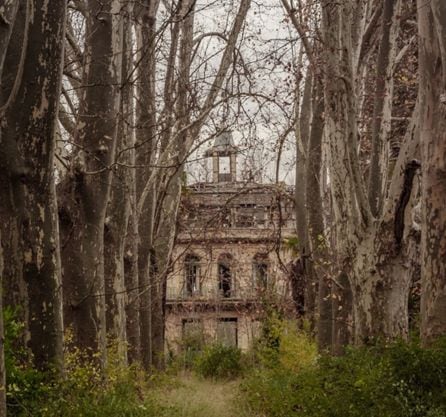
{"x": 223, "y": 145}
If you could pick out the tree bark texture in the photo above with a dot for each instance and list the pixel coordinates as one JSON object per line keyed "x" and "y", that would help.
{"x": 302, "y": 148}
{"x": 88, "y": 187}
{"x": 316, "y": 227}
{"x": 11, "y": 207}
{"x": 371, "y": 250}
{"x": 119, "y": 208}
{"x": 132, "y": 282}
{"x": 146, "y": 144}
{"x": 28, "y": 144}
{"x": 382, "y": 111}
{"x": 432, "y": 52}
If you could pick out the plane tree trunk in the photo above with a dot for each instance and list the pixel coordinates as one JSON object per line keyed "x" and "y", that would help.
{"x": 432, "y": 50}
{"x": 371, "y": 238}
{"x": 87, "y": 189}
{"x": 119, "y": 209}
{"x": 26, "y": 159}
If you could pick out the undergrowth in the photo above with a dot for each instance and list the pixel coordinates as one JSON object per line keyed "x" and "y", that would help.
{"x": 219, "y": 362}
{"x": 394, "y": 380}
{"x": 83, "y": 390}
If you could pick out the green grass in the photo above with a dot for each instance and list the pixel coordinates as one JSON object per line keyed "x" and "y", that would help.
{"x": 193, "y": 396}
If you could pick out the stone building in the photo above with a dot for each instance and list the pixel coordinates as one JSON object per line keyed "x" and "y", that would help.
{"x": 229, "y": 255}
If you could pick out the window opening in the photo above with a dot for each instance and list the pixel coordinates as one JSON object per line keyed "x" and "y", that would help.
{"x": 260, "y": 271}
{"x": 192, "y": 266}
{"x": 225, "y": 280}
{"x": 193, "y": 335}
{"x": 227, "y": 331}
{"x": 224, "y": 169}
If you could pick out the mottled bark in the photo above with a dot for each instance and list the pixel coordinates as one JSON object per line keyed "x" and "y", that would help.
{"x": 146, "y": 146}
{"x": 132, "y": 284}
{"x": 10, "y": 186}
{"x": 341, "y": 136}
{"x": 118, "y": 211}
{"x": 382, "y": 111}
{"x": 342, "y": 314}
{"x": 28, "y": 144}
{"x": 119, "y": 206}
{"x": 316, "y": 228}
{"x": 370, "y": 251}
{"x": 432, "y": 50}
{"x": 302, "y": 147}
{"x": 90, "y": 178}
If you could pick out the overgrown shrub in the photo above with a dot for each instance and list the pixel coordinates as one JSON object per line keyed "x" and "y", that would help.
{"x": 282, "y": 343}
{"x": 82, "y": 391}
{"x": 219, "y": 362}
{"x": 399, "y": 380}
{"x": 190, "y": 347}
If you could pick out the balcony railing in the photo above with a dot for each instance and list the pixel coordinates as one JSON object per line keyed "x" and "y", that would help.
{"x": 215, "y": 295}
{"x": 203, "y": 294}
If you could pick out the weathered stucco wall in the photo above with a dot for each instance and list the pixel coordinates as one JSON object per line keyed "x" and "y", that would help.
{"x": 209, "y": 237}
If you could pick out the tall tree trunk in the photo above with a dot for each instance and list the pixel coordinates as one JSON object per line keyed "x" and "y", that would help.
{"x": 28, "y": 144}
{"x": 90, "y": 180}
{"x": 119, "y": 207}
{"x": 372, "y": 251}
{"x": 132, "y": 282}
{"x": 302, "y": 142}
{"x": 11, "y": 190}
{"x": 432, "y": 31}
{"x": 382, "y": 111}
{"x": 146, "y": 144}
{"x": 316, "y": 228}
{"x": 342, "y": 314}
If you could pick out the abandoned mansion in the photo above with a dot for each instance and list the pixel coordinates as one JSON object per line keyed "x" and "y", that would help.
{"x": 229, "y": 254}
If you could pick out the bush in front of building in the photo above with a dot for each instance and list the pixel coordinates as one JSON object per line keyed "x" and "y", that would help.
{"x": 397, "y": 380}
{"x": 219, "y": 362}
{"x": 190, "y": 348}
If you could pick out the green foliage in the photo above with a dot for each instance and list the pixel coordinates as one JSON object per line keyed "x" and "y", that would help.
{"x": 82, "y": 391}
{"x": 297, "y": 350}
{"x": 191, "y": 346}
{"x": 398, "y": 380}
{"x": 24, "y": 384}
{"x": 219, "y": 362}
{"x": 292, "y": 244}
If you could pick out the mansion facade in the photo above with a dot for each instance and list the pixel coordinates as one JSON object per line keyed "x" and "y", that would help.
{"x": 229, "y": 255}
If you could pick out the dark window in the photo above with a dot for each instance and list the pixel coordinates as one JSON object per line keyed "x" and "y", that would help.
{"x": 246, "y": 215}
{"x": 225, "y": 280}
{"x": 245, "y": 220}
{"x": 260, "y": 271}
{"x": 192, "y": 327}
{"x": 192, "y": 272}
{"x": 227, "y": 332}
{"x": 193, "y": 335}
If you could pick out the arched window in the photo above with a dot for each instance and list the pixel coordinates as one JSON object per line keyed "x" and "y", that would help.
{"x": 192, "y": 275}
{"x": 260, "y": 266}
{"x": 225, "y": 276}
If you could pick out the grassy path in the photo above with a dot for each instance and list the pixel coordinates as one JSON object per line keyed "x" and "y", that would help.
{"x": 195, "y": 397}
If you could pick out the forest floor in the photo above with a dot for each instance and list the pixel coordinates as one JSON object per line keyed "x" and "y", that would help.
{"x": 196, "y": 397}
